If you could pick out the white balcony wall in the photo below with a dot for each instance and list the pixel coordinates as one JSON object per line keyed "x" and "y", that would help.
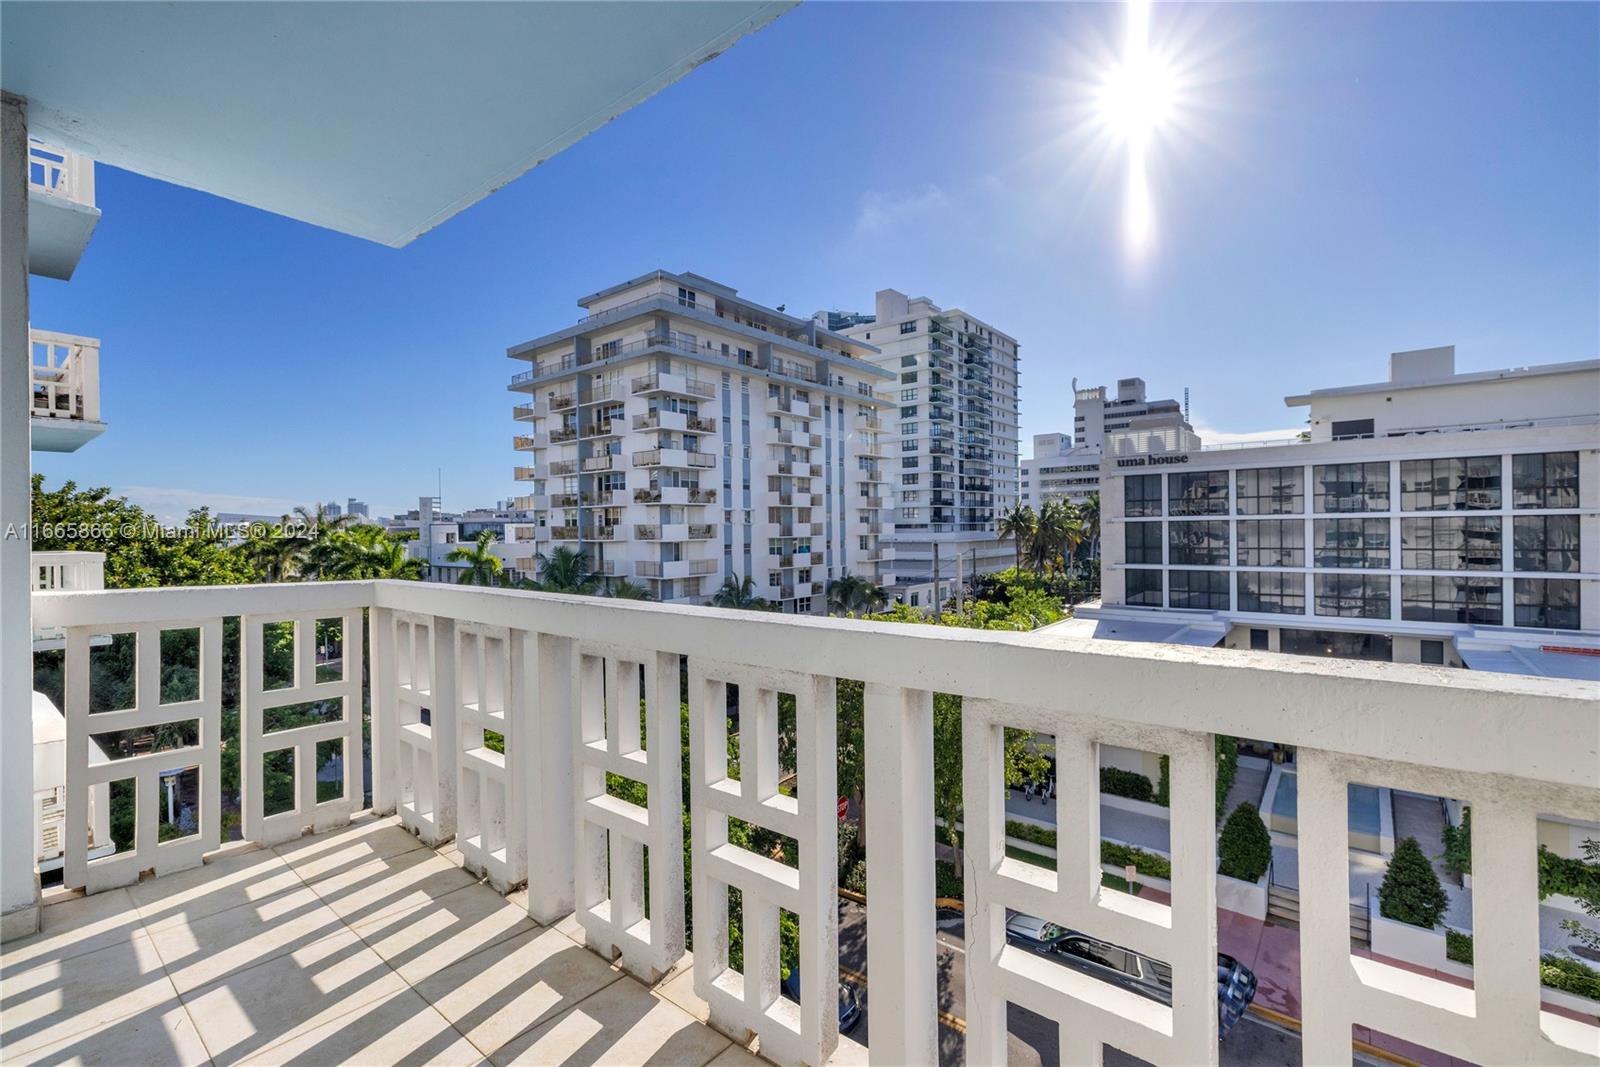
{"x": 564, "y": 679}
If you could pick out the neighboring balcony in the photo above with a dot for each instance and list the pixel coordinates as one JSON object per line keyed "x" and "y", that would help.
{"x": 458, "y": 909}
{"x": 66, "y": 391}
{"x": 61, "y": 211}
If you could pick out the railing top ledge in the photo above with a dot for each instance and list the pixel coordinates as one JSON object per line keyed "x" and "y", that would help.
{"x": 1537, "y": 728}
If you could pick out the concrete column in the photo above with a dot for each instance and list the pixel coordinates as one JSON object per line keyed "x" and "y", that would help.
{"x": 19, "y": 883}
{"x": 900, "y": 911}
{"x": 543, "y": 679}
{"x": 983, "y": 800}
{"x": 444, "y": 726}
{"x": 1505, "y": 886}
{"x": 384, "y": 710}
{"x": 1324, "y": 859}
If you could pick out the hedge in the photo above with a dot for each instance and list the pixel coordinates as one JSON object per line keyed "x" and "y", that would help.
{"x": 856, "y": 880}
{"x": 947, "y": 881}
{"x": 1568, "y": 877}
{"x": 1227, "y": 749}
{"x": 1144, "y": 862}
{"x": 1245, "y": 847}
{"x": 1130, "y": 784}
{"x": 1027, "y": 831}
{"x": 1557, "y": 972}
{"x": 1458, "y": 845}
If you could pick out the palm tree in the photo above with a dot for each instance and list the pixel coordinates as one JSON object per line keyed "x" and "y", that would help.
{"x": 1089, "y": 513}
{"x": 1018, "y": 524}
{"x": 735, "y": 593}
{"x": 387, "y": 558}
{"x": 277, "y": 557}
{"x": 483, "y": 566}
{"x": 566, "y": 570}
{"x": 848, "y": 593}
{"x": 1056, "y": 538}
{"x": 623, "y": 589}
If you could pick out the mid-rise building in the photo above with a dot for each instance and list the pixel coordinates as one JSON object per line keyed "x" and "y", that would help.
{"x": 957, "y": 437}
{"x": 1435, "y": 517}
{"x": 1066, "y": 466}
{"x": 680, "y": 434}
{"x": 434, "y": 533}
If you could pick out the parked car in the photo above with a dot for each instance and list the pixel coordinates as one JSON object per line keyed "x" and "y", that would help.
{"x": 849, "y": 1005}
{"x": 1236, "y": 983}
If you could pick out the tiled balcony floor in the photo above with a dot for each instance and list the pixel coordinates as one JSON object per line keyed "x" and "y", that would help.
{"x": 357, "y": 946}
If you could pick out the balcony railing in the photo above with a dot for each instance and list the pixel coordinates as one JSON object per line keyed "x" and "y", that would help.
{"x": 62, "y": 572}
{"x": 599, "y": 463}
{"x": 524, "y": 474}
{"x": 702, "y": 496}
{"x": 57, "y": 172}
{"x": 522, "y": 412}
{"x": 562, "y": 467}
{"x": 564, "y": 680}
{"x": 66, "y": 376}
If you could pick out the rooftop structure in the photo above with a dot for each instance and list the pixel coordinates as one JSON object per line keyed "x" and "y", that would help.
{"x": 1066, "y": 466}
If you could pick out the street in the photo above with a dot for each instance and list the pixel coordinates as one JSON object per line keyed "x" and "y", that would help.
{"x": 1032, "y": 1039}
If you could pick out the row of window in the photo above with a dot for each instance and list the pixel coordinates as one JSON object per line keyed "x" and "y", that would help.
{"x": 1546, "y": 603}
{"x": 1470, "y": 483}
{"x": 1546, "y": 543}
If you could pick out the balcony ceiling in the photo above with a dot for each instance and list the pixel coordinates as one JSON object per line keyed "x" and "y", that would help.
{"x": 379, "y": 121}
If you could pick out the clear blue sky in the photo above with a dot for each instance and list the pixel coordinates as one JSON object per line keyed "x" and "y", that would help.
{"x": 1347, "y": 180}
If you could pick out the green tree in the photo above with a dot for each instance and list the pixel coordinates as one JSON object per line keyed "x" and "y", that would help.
{"x": 566, "y": 570}
{"x": 850, "y": 594}
{"x": 483, "y": 566}
{"x": 624, "y": 589}
{"x": 739, "y": 593}
{"x": 1586, "y": 890}
{"x": 1056, "y": 538}
{"x": 1245, "y": 847}
{"x": 1411, "y": 892}
{"x": 1018, "y": 524}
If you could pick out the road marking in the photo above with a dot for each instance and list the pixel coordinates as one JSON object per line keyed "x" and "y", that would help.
{"x": 954, "y": 1022}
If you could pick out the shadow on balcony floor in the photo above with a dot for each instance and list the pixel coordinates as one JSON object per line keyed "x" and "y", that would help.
{"x": 354, "y": 946}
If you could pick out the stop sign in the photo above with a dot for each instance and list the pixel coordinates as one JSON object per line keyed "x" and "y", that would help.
{"x": 844, "y": 805}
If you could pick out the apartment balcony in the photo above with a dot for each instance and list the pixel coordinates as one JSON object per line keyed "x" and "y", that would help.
{"x": 598, "y": 463}
{"x": 563, "y": 436}
{"x": 524, "y": 474}
{"x": 564, "y": 533}
{"x": 649, "y": 384}
{"x": 527, "y": 502}
{"x": 603, "y": 428}
{"x": 563, "y": 500}
{"x": 61, "y": 211}
{"x": 701, "y": 531}
{"x": 525, "y": 533}
{"x": 683, "y": 568}
{"x": 66, "y": 391}
{"x": 523, "y": 412}
{"x": 370, "y": 941}
{"x": 702, "y": 496}
{"x": 600, "y": 533}
{"x": 529, "y": 442}
{"x": 601, "y": 498}
{"x": 651, "y": 495}
{"x": 563, "y": 467}
{"x": 562, "y": 402}
{"x": 673, "y": 457}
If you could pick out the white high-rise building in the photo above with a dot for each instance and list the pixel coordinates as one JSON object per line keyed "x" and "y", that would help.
{"x": 1066, "y": 466}
{"x": 680, "y": 434}
{"x": 958, "y": 437}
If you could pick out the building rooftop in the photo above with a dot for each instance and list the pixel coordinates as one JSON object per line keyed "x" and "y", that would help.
{"x": 1437, "y": 372}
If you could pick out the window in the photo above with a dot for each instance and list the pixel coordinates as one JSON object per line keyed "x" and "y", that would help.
{"x": 1141, "y": 495}
{"x": 1433, "y": 652}
{"x": 1271, "y": 491}
{"x": 907, "y": 377}
{"x": 1351, "y": 487}
{"x": 906, "y": 361}
{"x": 909, "y": 479}
{"x": 1545, "y": 481}
{"x": 908, "y": 395}
{"x": 1352, "y": 429}
{"x": 909, "y": 327}
{"x": 1272, "y": 591}
{"x": 1272, "y": 543}
{"x": 1259, "y": 641}
{"x": 1360, "y": 543}
{"x": 1469, "y": 484}
{"x": 909, "y": 412}
{"x": 1359, "y": 596}
{"x": 908, "y": 444}
{"x": 1200, "y": 589}
{"x": 1444, "y": 598}
{"x": 1199, "y": 544}
{"x": 686, "y": 297}
{"x": 1545, "y": 543}
{"x": 1143, "y": 542}
{"x": 1144, "y": 588}
{"x": 1339, "y": 644}
{"x": 908, "y": 461}
{"x": 1550, "y": 604}
{"x": 1450, "y": 543}
{"x": 1197, "y": 493}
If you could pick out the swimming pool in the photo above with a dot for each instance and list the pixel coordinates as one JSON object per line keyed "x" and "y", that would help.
{"x": 1366, "y": 830}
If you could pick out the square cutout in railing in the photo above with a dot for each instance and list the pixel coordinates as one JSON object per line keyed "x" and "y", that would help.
{"x": 114, "y": 674}
{"x": 178, "y": 802}
{"x": 180, "y": 665}
{"x": 330, "y": 650}
{"x": 330, "y": 769}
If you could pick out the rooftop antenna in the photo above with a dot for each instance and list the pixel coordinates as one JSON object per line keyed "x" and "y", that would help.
{"x": 441, "y": 481}
{"x": 1186, "y": 403}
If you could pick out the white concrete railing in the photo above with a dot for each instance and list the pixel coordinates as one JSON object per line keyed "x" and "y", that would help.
{"x": 564, "y": 680}
{"x": 67, "y": 571}
{"x": 66, "y": 376}
{"x": 58, "y": 172}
